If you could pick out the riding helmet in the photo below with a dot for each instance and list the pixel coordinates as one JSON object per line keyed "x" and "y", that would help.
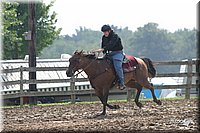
{"x": 105, "y": 28}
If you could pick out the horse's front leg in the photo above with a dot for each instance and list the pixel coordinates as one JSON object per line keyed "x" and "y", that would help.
{"x": 103, "y": 98}
{"x": 104, "y": 109}
{"x": 113, "y": 106}
{"x": 104, "y": 102}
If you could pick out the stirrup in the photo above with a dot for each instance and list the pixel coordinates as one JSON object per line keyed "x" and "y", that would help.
{"x": 121, "y": 87}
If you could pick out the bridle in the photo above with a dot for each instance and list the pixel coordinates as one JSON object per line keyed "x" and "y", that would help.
{"x": 76, "y": 75}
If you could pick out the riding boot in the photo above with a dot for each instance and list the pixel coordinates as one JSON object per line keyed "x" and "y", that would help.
{"x": 122, "y": 87}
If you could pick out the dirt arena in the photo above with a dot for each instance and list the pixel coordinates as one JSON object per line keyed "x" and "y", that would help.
{"x": 177, "y": 115}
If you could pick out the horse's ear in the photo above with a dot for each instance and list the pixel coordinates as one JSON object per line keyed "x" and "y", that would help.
{"x": 76, "y": 52}
{"x": 81, "y": 52}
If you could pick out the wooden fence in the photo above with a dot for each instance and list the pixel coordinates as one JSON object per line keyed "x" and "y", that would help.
{"x": 189, "y": 74}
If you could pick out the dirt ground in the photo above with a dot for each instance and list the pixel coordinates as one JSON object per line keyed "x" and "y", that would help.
{"x": 179, "y": 116}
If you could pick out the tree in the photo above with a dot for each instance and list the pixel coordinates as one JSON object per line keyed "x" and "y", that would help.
{"x": 149, "y": 41}
{"x": 10, "y": 37}
{"x": 84, "y": 39}
{"x": 46, "y": 31}
{"x": 185, "y": 44}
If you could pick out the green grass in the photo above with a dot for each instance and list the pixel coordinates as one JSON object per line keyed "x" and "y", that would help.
{"x": 94, "y": 102}
{"x": 175, "y": 98}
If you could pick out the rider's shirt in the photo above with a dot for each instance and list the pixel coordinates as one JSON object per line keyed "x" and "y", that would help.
{"x": 111, "y": 43}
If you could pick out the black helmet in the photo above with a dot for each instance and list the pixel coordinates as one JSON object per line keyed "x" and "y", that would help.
{"x": 105, "y": 28}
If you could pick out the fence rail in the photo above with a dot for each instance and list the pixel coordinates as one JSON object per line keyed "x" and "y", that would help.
{"x": 189, "y": 74}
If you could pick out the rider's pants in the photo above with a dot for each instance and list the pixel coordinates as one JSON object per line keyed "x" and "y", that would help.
{"x": 117, "y": 58}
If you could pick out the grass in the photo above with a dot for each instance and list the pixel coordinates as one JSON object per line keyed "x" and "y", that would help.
{"x": 94, "y": 102}
{"x": 170, "y": 99}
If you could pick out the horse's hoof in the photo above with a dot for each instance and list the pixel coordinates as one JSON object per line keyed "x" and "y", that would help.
{"x": 139, "y": 105}
{"x": 100, "y": 116}
{"x": 159, "y": 102}
{"x": 116, "y": 107}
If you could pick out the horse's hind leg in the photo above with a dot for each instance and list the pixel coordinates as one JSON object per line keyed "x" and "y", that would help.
{"x": 139, "y": 89}
{"x": 134, "y": 84}
{"x": 151, "y": 87}
{"x": 154, "y": 96}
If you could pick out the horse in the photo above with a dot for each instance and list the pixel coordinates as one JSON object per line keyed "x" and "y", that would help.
{"x": 102, "y": 75}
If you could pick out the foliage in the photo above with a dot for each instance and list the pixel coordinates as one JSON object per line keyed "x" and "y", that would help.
{"x": 15, "y": 21}
{"x": 147, "y": 41}
{"x": 185, "y": 44}
{"x": 85, "y": 39}
{"x": 10, "y": 22}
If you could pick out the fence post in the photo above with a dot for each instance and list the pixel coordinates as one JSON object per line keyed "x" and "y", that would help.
{"x": 130, "y": 94}
{"x": 189, "y": 79}
{"x": 21, "y": 86}
{"x": 90, "y": 97}
{"x": 72, "y": 87}
{"x": 198, "y": 74}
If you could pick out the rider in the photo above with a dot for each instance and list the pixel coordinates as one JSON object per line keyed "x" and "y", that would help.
{"x": 112, "y": 46}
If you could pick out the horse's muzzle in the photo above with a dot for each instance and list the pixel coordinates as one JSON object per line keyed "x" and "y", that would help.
{"x": 69, "y": 73}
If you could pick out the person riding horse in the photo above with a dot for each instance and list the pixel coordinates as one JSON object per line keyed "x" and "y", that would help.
{"x": 111, "y": 46}
{"x": 101, "y": 75}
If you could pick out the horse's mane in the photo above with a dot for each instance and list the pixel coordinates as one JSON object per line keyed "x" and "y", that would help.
{"x": 89, "y": 55}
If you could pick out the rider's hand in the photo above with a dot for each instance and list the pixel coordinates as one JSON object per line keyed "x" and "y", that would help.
{"x": 99, "y": 50}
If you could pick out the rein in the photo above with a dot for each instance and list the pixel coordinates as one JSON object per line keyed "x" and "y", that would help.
{"x": 95, "y": 76}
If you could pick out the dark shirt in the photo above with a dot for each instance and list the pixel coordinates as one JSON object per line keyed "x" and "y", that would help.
{"x": 111, "y": 43}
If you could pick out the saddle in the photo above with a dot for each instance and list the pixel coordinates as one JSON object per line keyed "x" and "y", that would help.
{"x": 129, "y": 63}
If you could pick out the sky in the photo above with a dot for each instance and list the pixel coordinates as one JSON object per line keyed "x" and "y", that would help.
{"x": 169, "y": 14}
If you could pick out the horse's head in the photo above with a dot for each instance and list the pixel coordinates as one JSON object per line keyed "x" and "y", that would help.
{"x": 79, "y": 60}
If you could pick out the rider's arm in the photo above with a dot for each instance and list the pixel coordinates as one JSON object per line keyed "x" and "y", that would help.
{"x": 103, "y": 45}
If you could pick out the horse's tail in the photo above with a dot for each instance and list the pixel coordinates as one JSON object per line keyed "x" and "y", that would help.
{"x": 150, "y": 66}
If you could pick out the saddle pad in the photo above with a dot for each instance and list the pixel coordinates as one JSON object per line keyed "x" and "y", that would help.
{"x": 129, "y": 63}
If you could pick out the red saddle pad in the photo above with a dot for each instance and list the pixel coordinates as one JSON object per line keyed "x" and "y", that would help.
{"x": 130, "y": 64}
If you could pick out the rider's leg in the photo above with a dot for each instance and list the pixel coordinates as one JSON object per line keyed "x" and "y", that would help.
{"x": 118, "y": 68}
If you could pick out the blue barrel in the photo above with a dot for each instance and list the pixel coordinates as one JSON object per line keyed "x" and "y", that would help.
{"x": 147, "y": 93}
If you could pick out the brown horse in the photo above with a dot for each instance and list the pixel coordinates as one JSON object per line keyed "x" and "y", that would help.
{"x": 101, "y": 75}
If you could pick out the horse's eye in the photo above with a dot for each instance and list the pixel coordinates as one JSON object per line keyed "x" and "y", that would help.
{"x": 77, "y": 59}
